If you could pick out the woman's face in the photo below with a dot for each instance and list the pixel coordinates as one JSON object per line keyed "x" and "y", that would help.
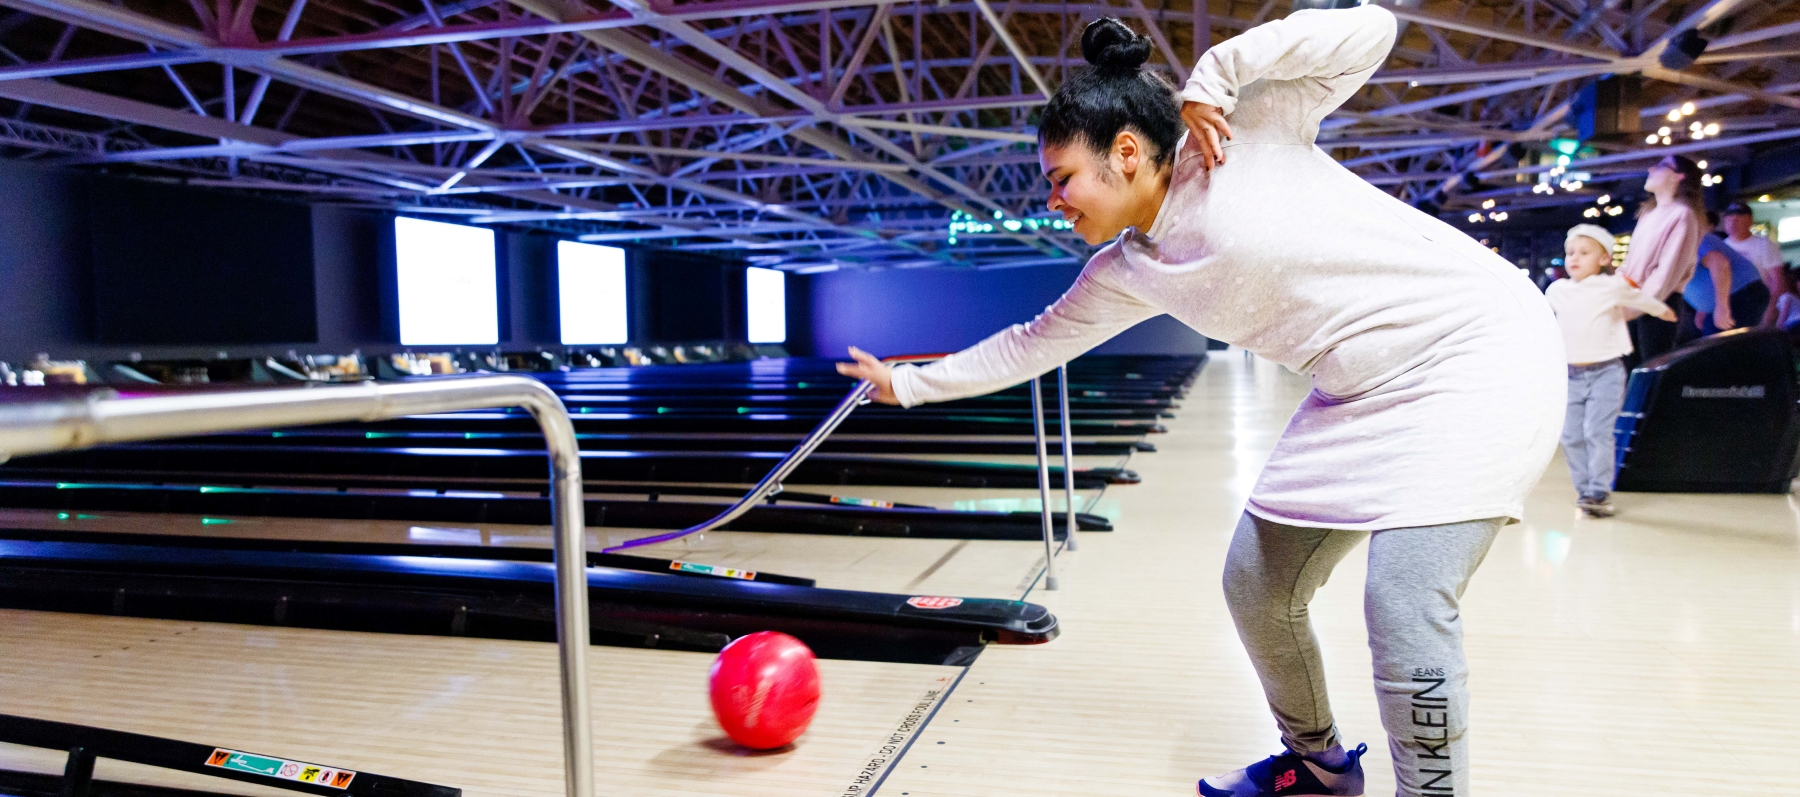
{"x": 1662, "y": 178}
{"x": 1089, "y": 188}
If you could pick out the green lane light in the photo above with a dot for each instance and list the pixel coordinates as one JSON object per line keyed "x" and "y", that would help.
{"x": 964, "y": 224}
{"x": 62, "y": 516}
{"x": 215, "y": 521}
{"x": 1566, "y": 146}
{"x": 87, "y": 517}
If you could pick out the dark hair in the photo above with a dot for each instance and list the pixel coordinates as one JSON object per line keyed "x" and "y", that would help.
{"x": 1690, "y": 192}
{"x": 1114, "y": 94}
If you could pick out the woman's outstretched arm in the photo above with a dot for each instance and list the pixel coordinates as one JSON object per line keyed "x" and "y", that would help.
{"x": 1085, "y": 316}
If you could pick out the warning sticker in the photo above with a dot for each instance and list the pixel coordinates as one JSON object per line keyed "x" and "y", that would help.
{"x": 874, "y": 769}
{"x": 710, "y": 570}
{"x": 933, "y": 602}
{"x": 848, "y": 501}
{"x": 281, "y": 768}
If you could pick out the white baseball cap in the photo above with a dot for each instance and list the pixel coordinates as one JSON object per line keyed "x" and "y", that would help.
{"x": 1594, "y": 231}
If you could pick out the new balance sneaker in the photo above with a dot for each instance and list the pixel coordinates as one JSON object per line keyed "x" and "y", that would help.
{"x": 1289, "y": 775}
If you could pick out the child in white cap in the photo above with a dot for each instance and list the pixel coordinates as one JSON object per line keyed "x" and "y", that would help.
{"x": 1592, "y": 306}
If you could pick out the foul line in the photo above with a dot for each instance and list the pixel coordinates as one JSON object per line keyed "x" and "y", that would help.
{"x": 854, "y": 790}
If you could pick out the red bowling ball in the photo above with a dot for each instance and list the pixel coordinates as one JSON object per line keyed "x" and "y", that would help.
{"x": 765, "y": 688}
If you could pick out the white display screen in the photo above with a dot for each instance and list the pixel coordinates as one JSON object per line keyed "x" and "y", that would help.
{"x": 446, "y": 277}
{"x": 1788, "y": 230}
{"x": 765, "y": 293}
{"x": 590, "y": 291}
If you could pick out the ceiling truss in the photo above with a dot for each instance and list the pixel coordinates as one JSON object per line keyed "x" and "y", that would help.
{"x": 809, "y": 134}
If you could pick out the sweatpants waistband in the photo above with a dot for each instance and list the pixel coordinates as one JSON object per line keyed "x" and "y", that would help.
{"x": 1599, "y": 366}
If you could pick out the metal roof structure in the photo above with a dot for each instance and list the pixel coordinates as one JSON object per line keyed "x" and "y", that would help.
{"x": 817, "y": 134}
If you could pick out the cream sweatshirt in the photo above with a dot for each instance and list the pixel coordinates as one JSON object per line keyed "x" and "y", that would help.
{"x": 1437, "y": 367}
{"x": 1591, "y": 313}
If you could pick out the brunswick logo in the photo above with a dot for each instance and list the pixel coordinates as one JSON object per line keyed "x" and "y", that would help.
{"x": 1747, "y": 392}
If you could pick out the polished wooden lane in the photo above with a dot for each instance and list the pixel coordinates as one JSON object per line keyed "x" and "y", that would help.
{"x": 478, "y": 714}
{"x": 964, "y": 568}
{"x": 1647, "y": 654}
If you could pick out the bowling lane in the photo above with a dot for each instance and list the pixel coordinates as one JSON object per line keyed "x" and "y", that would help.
{"x": 964, "y": 568}
{"x": 477, "y": 714}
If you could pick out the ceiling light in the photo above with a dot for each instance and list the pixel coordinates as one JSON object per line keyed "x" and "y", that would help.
{"x": 1712, "y": 129}
{"x": 1488, "y": 204}
{"x": 1604, "y": 198}
{"x": 1687, "y": 109}
{"x": 1675, "y": 115}
{"x": 1701, "y": 164}
{"x": 1650, "y": 139}
{"x": 1765, "y": 198}
{"x": 1474, "y": 218}
{"x": 1665, "y": 140}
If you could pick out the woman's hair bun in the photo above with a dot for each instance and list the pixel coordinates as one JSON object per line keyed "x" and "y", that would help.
{"x": 1110, "y": 44}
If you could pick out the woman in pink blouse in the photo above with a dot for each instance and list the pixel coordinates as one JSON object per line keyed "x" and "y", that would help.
{"x": 1665, "y": 248}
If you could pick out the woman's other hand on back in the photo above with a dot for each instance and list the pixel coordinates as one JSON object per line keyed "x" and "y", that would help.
{"x": 877, "y": 372}
{"x": 1207, "y": 130}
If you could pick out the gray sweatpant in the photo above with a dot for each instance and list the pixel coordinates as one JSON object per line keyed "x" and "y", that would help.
{"x": 1416, "y": 579}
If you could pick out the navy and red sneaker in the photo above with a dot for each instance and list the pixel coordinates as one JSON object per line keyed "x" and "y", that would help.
{"x": 1290, "y": 775}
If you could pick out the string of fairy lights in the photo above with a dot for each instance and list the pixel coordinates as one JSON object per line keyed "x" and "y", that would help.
{"x": 1559, "y": 178}
{"x": 1696, "y": 129}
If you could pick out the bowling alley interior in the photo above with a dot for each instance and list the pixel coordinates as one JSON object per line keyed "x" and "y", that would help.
{"x": 944, "y": 398}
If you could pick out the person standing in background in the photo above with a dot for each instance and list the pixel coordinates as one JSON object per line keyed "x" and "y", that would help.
{"x": 1590, "y": 308}
{"x": 1761, "y": 252}
{"x": 1722, "y": 272}
{"x": 1784, "y": 311}
{"x": 1665, "y": 247}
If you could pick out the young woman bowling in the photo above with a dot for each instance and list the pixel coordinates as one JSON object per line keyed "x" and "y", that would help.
{"x": 1437, "y": 368}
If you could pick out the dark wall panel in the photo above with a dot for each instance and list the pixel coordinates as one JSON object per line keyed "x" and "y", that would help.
{"x": 176, "y": 266}
{"x": 45, "y": 278}
{"x": 935, "y": 310}
{"x": 679, "y": 296}
{"x": 530, "y": 270}
{"x": 348, "y": 274}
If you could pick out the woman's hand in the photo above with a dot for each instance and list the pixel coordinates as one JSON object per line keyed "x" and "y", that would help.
{"x": 1667, "y": 315}
{"x": 1207, "y": 130}
{"x": 874, "y": 370}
